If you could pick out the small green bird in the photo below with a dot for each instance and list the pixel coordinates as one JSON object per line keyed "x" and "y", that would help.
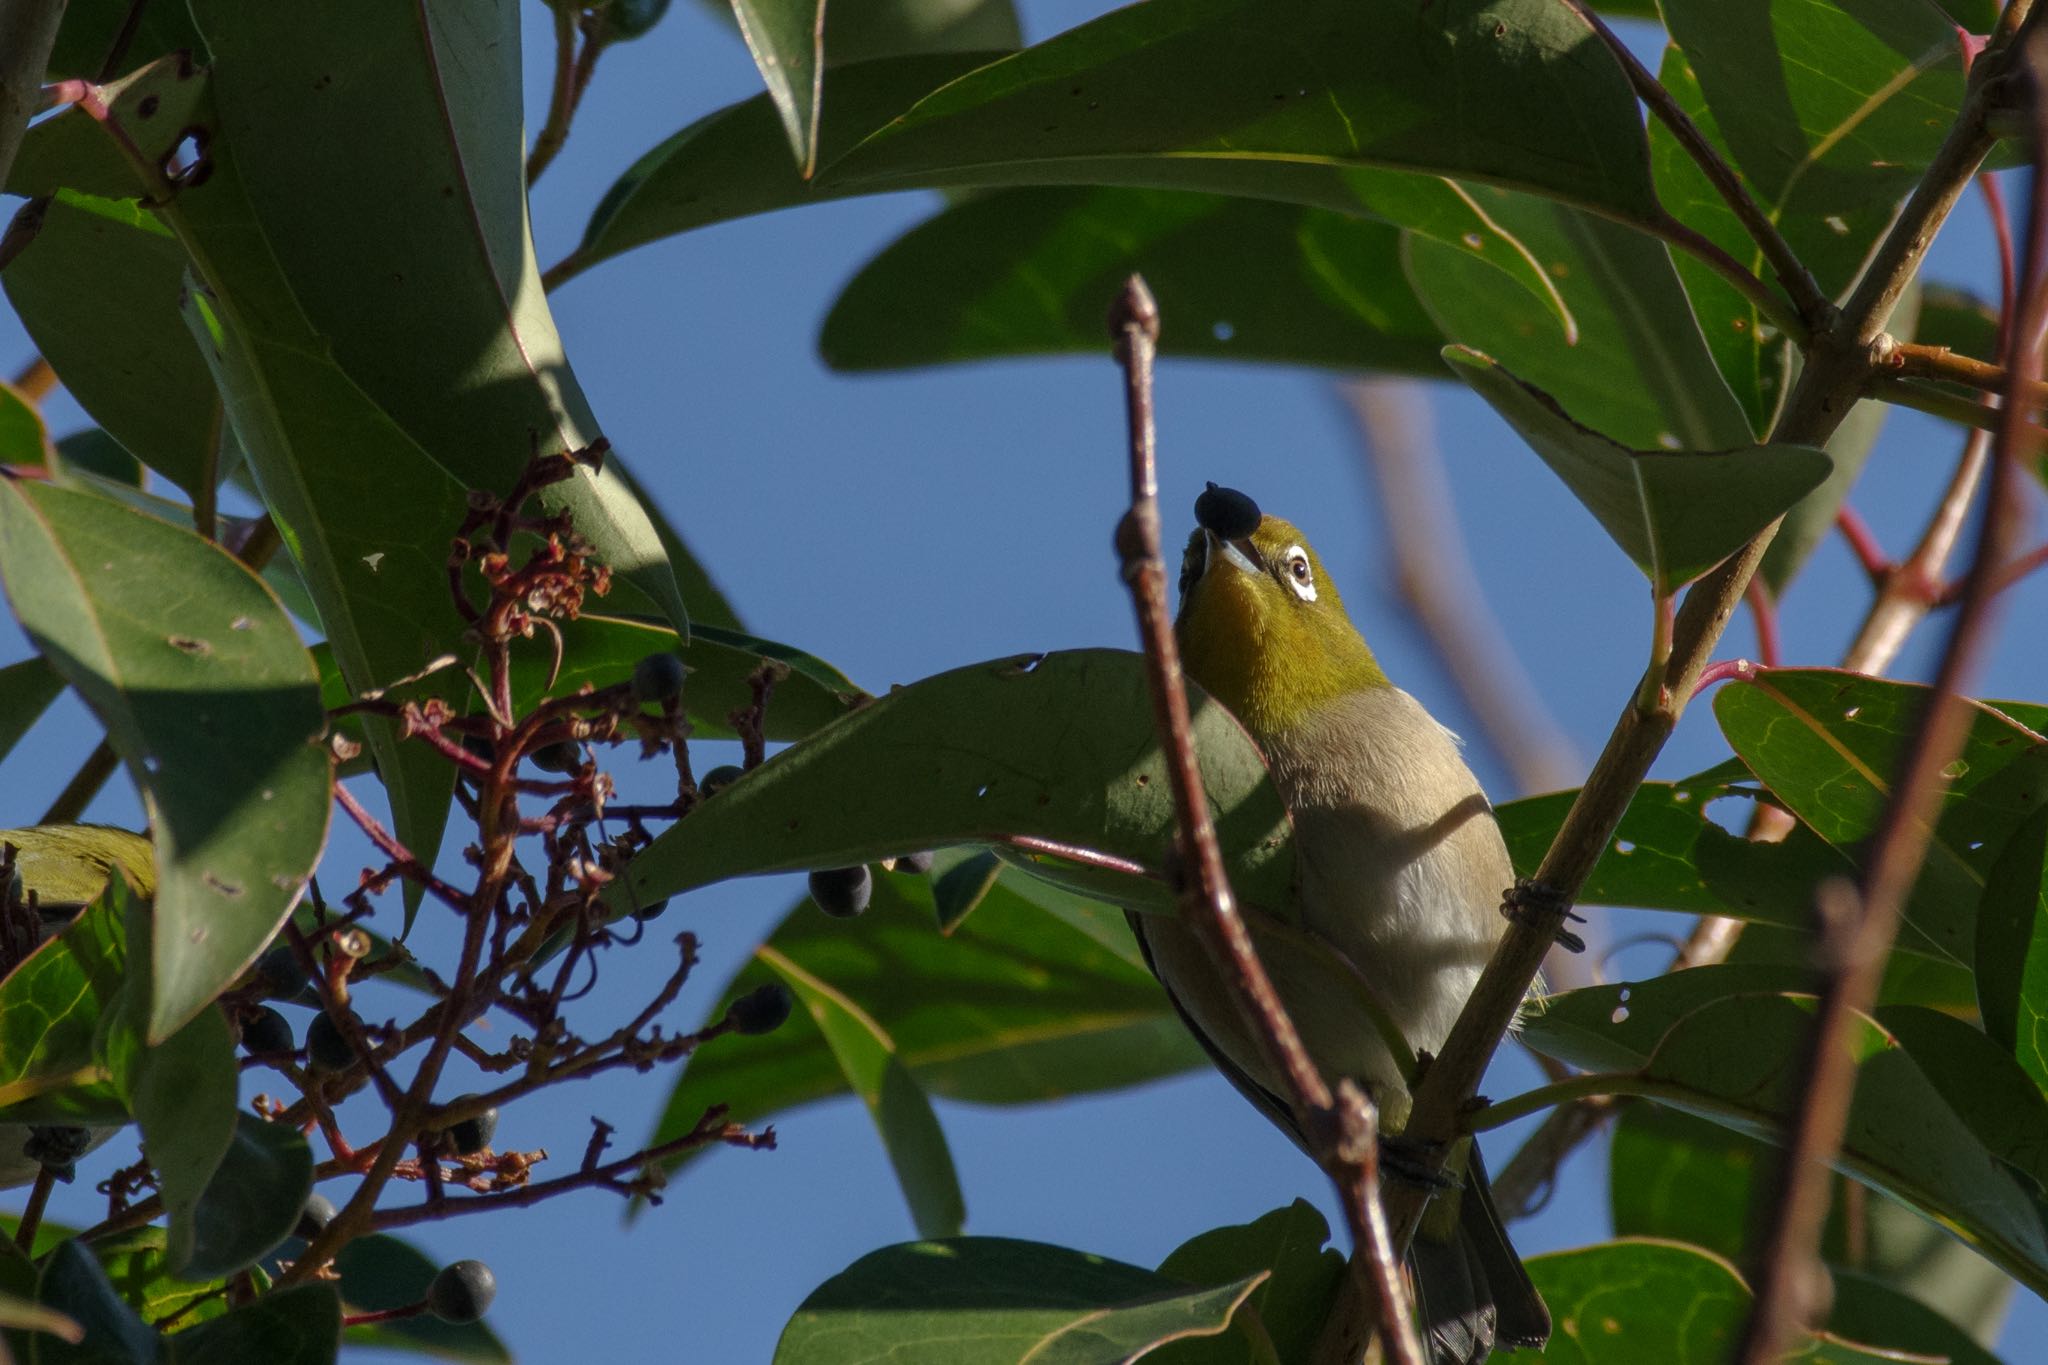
{"x": 1400, "y": 872}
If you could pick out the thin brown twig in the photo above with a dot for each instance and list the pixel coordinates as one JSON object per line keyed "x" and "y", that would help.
{"x": 1342, "y": 1131}
{"x": 573, "y": 70}
{"x": 1922, "y": 396}
{"x": 1814, "y": 311}
{"x": 1912, "y": 360}
{"x": 1859, "y": 923}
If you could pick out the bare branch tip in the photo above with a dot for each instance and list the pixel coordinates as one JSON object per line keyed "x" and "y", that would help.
{"x": 1135, "y": 308}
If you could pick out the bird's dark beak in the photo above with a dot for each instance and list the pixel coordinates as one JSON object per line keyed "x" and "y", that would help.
{"x": 1228, "y": 519}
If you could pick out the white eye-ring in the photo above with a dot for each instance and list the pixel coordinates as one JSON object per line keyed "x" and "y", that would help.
{"x": 1300, "y": 576}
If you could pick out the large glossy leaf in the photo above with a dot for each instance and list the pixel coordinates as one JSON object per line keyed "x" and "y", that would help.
{"x": 1675, "y": 513}
{"x": 254, "y": 1199}
{"x": 90, "y": 28}
{"x": 990, "y": 1299}
{"x": 1637, "y": 1300}
{"x": 1675, "y": 1176}
{"x": 182, "y": 1090}
{"x": 1830, "y": 110}
{"x": 50, "y": 1009}
{"x": 1735, "y": 1058}
{"x": 1983, "y": 1085}
{"x": 97, "y": 290}
{"x": 1034, "y": 995}
{"x": 1290, "y": 1305}
{"x": 138, "y": 1264}
{"x": 1670, "y": 853}
{"x": 1828, "y": 745}
{"x": 1636, "y": 369}
{"x": 1058, "y": 746}
{"x": 458, "y": 346}
{"x": 72, "y": 1283}
{"x": 602, "y": 650}
{"x": 794, "y": 40}
{"x": 26, "y": 691}
{"x": 209, "y": 698}
{"x": 296, "y": 1326}
{"x": 2012, "y": 947}
{"x": 1232, "y": 95}
{"x": 1022, "y": 272}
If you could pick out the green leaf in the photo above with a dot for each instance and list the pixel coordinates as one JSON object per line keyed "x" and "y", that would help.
{"x": 961, "y": 880}
{"x": 458, "y": 348}
{"x": 602, "y": 650}
{"x": 296, "y": 1326}
{"x": 382, "y": 1271}
{"x": 50, "y": 1011}
{"x": 794, "y": 40}
{"x": 1827, "y": 743}
{"x": 93, "y": 451}
{"x": 1237, "y": 97}
{"x": 733, "y": 162}
{"x": 1639, "y": 1300}
{"x": 1290, "y": 1305}
{"x": 1737, "y": 1060}
{"x": 89, "y": 28}
{"x": 875, "y": 1070}
{"x": 1953, "y": 317}
{"x": 137, "y": 1262}
{"x": 787, "y": 38}
{"x": 1058, "y": 746}
{"x": 1034, "y": 996}
{"x": 1830, "y": 111}
{"x": 254, "y": 1199}
{"x": 1637, "y": 368}
{"x": 182, "y": 1091}
{"x": 2012, "y": 947}
{"x": 1669, "y": 853}
{"x": 23, "y": 440}
{"x": 208, "y": 696}
{"x": 73, "y": 1284}
{"x": 1987, "y": 1090}
{"x": 976, "y": 1299}
{"x": 1748, "y": 348}
{"x": 98, "y": 289}
{"x": 1022, "y": 272}
{"x": 1868, "y": 1309}
{"x": 1617, "y": 1027}
{"x": 1675, "y": 513}
{"x": 1812, "y": 518}
{"x": 26, "y": 691}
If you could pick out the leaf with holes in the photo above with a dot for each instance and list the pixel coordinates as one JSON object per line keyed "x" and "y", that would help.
{"x": 1829, "y": 744}
{"x": 1055, "y": 746}
{"x": 208, "y": 697}
{"x": 1675, "y": 513}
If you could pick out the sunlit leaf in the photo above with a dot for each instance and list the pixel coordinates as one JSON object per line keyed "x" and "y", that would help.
{"x": 1675, "y": 513}
{"x": 206, "y": 693}
{"x": 991, "y": 1299}
{"x": 1058, "y": 746}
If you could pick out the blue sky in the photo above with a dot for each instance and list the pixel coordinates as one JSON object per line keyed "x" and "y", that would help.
{"x": 898, "y": 525}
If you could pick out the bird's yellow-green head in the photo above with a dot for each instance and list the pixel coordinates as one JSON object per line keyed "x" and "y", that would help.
{"x": 1261, "y": 627}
